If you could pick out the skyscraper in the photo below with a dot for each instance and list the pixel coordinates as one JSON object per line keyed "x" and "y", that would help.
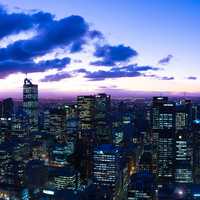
{"x": 107, "y": 167}
{"x": 30, "y": 103}
{"x": 155, "y": 116}
{"x": 183, "y": 143}
{"x": 86, "y": 111}
{"x": 196, "y": 151}
{"x": 184, "y": 115}
{"x": 102, "y": 119}
{"x": 163, "y": 124}
{"x": 8, "y": 107}
{"x": 184, "y": 157}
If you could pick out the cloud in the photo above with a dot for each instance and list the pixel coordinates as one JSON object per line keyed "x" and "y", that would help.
{"x": 135, "y": 67}
{"x": 12, "y": 66}
{"x": 13, "y": 23}
{"x": 56, "y": 77}
{"x": 96, "y": 34}
{"x": 77, "y": 46}
{"x": 54, "y": 34}
{"x": 192, "y": 78}
{"x": 166, "y": 78}
{"x": 117, "y": 72}
{"x": 165, "y": 60}
{"x": 110, "y": 55}
{"x": 71, "y": 32}
{"x": 101, "y": 74}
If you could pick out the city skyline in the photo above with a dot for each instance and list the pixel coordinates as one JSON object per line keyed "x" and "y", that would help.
{"x": 140, "y": 46}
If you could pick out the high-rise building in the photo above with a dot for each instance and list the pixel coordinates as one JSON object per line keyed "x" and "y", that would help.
{"x": 163, "y": 126}
{"x": 157, "y": 104}
{"x": 102, "y": 118}
{"x": 107, "y": 167}
{"x": 184, "y": 115}
{"x": 57, "y": 122}
{"x": 184, "y": 157}
{"x": 8, "y": 107}
{"x": 141, "y": 186}
{"x": 59, "y": 154}
{"x": 196, "y": 151}
{"x": 30, "y": 103}
{"x": 65, "y": 178}
{"x": 86, "y": 112}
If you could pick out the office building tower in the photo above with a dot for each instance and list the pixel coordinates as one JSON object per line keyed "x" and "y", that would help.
{"x": 71, "y": 111}
{"x": 5, "y": 128}
{"x": 107, "y": 167}
{"x": 157, "y": 104}
{"x": 184, "y": 157}
{"x": 163, "y": 125}
{"x": 7, "y": 108}
{"x": 155, "y": 116}
{"x": 19, "y": 126}
{"x": 30, "y": 103}
{"x": 65, "y": 178}
{"x": 86, "y": 112}
{"x": 72, "y": 124}
{"x": 15, "y": 173}
{"x": 5, "y": 159}
{"x": 59, "y": 155}
{"x": 184, "y": 115}
{"x": 196, "y": 151}
{"x": 141, "y": 186}
{"x": 102, "y": 118}
{"x": 57, "y": 123}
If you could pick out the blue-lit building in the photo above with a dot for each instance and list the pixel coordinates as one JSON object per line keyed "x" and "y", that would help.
{"x": 108, "y": 168}
{"x": 64, "y": 178}
{"x": 141, "y": 186}
{"x": 30, "y": 103}
{"x": 102, "y": 118}
{"x": 183, "y": 164}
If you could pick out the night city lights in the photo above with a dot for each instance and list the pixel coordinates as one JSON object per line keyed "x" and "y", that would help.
{"x": 99, "y": 100}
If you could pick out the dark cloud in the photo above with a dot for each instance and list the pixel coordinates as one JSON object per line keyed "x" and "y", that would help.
{"x": 56, "y": 77}
{"x": 71, "y": 32}
{"x": 55, "y": 34}
{"x": 13, "y": 23}
{"x": 77, "y": 46}
{"x": 101, "y": 74}
{"x": 110, "y": 55}
{"x": 192, "y": 78}
{"x": 116, "y": 72}
{"x": 96, "y": 34}
{"x": 11, "y": 66}
{"x": 135, "y": 67}
{"x": 166, "y": 78}
{"x": 165, "y": 60}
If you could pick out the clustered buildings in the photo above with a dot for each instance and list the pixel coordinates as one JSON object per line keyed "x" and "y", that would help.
{"x": 99, "y": 149}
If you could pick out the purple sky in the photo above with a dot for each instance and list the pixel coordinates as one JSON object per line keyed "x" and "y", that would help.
{"x": 78, "y": 47}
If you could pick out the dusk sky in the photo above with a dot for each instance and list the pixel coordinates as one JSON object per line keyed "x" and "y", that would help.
{"x": 71, "y": 47}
